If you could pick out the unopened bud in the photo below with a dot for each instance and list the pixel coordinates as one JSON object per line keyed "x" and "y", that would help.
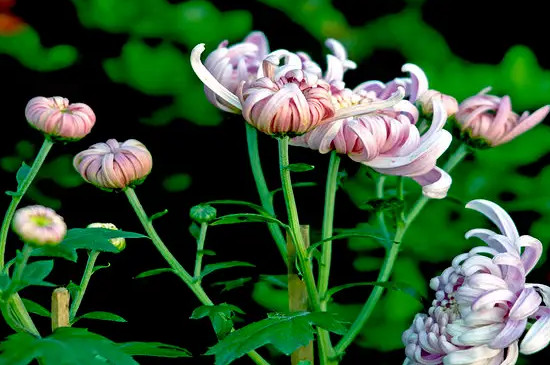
{"x": 119, "y": 242}
{"x": 203, "y": 213}
{"x": 38, "y": 225}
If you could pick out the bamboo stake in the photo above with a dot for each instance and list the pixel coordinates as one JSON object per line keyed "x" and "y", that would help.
{"x": 60, "y": 308}
{"x": 297, "y": 294}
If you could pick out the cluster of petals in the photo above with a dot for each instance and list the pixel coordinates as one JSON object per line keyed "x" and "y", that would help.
{"x": 289, "y": 94}
{"x": 58, "y": 119}
{"x": 114, "y": 165}
{"x": 491, "y": 119}
{"x": 38, "y": 225}
{"x": 482, "y": 304}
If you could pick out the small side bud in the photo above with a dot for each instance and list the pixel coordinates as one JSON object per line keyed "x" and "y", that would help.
{"x": 119, "y": 243}
{"x": 203, "y": 213}
{"x": 426, "y": 104}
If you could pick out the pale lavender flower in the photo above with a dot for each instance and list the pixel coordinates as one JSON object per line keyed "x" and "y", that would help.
{"x": 289, "y": 95}
{"x": 387, "y": 139}
{"x": 483, "y": 303}
{"x": 491, "y": 119}
{"x": 38, "y": 225}
{"x": 235, "y": 64}
{"x": 114, "y": 165}
{"x": 58, "y": 119}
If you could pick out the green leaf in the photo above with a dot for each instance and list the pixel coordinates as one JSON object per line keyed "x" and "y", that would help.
{"x": 34, "y": 274}
{"x": 101, "y": 267}
{"x": 220, "y": 315}
{"x": 299, "y": 167}
{"x": 4, "y": 281}
{"x": 22, "y": 173}
{"x": 73, "y": 345}
{"x": 158, "y": 215}
{"x": 153, "y": 272}
{"x": 245, "y": 218}
{"x": 73, "y": 289}
{"x": 156, "y": 349}
{"x": 304, "y": 184}
{"x": 36, "y": 308}
{"x": 349, "y": 235}
{"x": 380, "y": 205}
{"x": 404, "y": 287}
{"x": 278, "y": 280}
{"x": 96, "y": 239}
{"x": 104, "y": 316}
{"x": 256, "y": 207}
{"x": 232, "y": 284}
{"x": 208, "y": 269}
{"x": 285, "y": 332}
{"x": 61, "y": 250}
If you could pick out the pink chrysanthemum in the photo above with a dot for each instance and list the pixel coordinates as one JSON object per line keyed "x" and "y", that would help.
{"x": 58, "y": 119}
{"x": 483, "y": 304}
{"x": 114, "y": 165}
{"x": 38, "y": 225}
{"x": 491, "y": 119}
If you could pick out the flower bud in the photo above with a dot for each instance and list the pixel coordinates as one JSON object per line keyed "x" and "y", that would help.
{"x": 488, "y": 120}
{"x": 38, "y": 225}
{"x": 203, "y": 213}
{"x": 114, "y": 165}
{"x": 426, "y": 103}
{"x": 119, "y": 243}
{"x": 58, "y": 119}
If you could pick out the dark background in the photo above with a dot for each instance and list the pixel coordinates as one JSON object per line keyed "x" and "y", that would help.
{"x": 158, "y": 308}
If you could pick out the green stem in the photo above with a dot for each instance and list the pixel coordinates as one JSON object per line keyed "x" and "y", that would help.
{"x": 380, "y": 214}
{"x": 325, "y": 346}
{"x": 21, "y": 190}
{"x": 261, "y": 186}
{"x": 88, "y": 271}
{"x": 294, "y": 223}
{"x": 391, "y": 256}
{"x": 200, "y": 253}
{"x": 195, "y": 287}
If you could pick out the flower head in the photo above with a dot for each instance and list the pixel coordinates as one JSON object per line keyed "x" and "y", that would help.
{"x": 119, "y": 243}
{"x": 426, "y": 101}
{"x": 387, "y": 139}
{"x": 38, "y": 225}
{"x": 482, "y": 302}
{"x": 114, "y": 165}
{"x": 490, "y": 118}
{"x": 235, "y": 64}
{"x": 58, "y": 119}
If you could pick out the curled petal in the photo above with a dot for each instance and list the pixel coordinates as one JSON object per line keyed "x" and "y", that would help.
{"x": 532, "y": 252}
{"x": 435, "y": 183}
{"x": 497, "y": 215}
{"x": 527, "y": 304}
{"x": 509, "y": 334}
{"x": 511, "y": 354}
{"x": 419, "y": 81}
{"x": 470, "y": 356}
{"x": 537, "y": 337}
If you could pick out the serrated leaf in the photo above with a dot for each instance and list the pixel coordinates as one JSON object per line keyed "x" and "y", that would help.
{"x": 285, "y": 332}
{"x": 244, "y": 218}
{"x": 299, "y": 167}
{"x": 34, "y": 274}
{"x": 232, "y": 284}
{"x": 96, "y": 239}
{"x": 221, "y": 316}
{"x": 153, "y": 272}
{"x": 103, "y": 316}
{"x": 156, "y": 349}
{"x": 208, "y": 269}
{"x": 36, "y": 308}
{"x": 73, "y": 345}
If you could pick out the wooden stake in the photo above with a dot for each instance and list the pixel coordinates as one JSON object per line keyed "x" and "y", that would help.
{"x": 297, "y": 294}
{"x": 60, "y": 308}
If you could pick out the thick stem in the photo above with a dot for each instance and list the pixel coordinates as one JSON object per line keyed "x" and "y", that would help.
{"x": 88, "y": 271}
{"x": 391, "y": 256}
{"x": 261, "y": 186}
{"x": 294, "y": 225}
{"x": 195, "y": 287}
{"x": 21, "y": 190}
{"x": 200, "y": 251}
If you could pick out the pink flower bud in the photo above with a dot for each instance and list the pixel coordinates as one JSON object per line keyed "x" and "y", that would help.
{"x": 232, "y": 65}
{"x": 114, "y": 165}
{"x": 287, "y": 100}
{"x": 491, "y": 119}
{"x": 58, "y": 119}
{"x": 38, "y": 225}
{"x": 426, "y": 104}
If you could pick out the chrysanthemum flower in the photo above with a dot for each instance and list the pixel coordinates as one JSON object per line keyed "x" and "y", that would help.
{"x": 483, "y": 304}
{"x": 288, "y": 97}
{"x": 387, "y": 139}
{"x": 119, "y": 243}
{"x": 490, "y": 118}
{"x": 232, "y": 65}
{"x": 114, "y": 165}
{"x": 38, "y": 225}
{"x": 58, "y": 119}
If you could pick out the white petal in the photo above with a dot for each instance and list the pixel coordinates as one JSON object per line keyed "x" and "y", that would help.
{"x": 497, "y": 215}
{"x": 537, "y": 337}
{"x": 470, "y": 356}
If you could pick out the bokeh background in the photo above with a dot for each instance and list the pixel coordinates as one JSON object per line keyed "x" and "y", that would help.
{"x": 129, "y": 60}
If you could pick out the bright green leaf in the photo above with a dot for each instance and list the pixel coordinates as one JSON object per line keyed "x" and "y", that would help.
{"x": 36, "y": 308}
{"x": 232, "y": 284}
{"x": 156, "y": 349}
{"x": 22, "y": 173}
{"x": 244, "y": 218}
{"x": 299, "y": 167}
{"x": 153, "y": 272}
{"x": 221, "y": 317}
{"x": 61, "y": 250}
{"x": 104, "y": 316}
{"x": 208, "y": 269}
{"x": 96, "y": 239}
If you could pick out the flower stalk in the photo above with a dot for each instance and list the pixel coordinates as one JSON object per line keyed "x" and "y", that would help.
{"x": 88, "y": 271}
{"x": 200, "y": 251}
